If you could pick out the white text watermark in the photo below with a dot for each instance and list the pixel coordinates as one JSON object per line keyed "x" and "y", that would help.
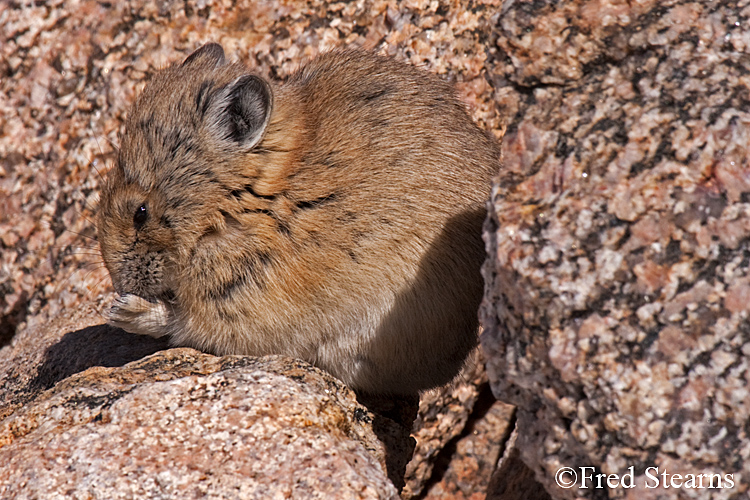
{"x": 653, "y": 477}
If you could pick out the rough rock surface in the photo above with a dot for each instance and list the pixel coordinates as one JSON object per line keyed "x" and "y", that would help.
{"x": 43, "y": 355}
{"x": 182, "y": 424}
{"x": 460, "y": 432}
{"x": 513, "y": 479}
{"x": 616, "y": 312}
{"x": 71, "y": 68}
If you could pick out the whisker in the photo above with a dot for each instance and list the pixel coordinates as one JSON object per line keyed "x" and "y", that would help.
{"x": 62, "y": 251}
{"x": 91, "y": 272}
{"x": 99, "y": 283}
{"x": 91, "y": 205}
{"x": 93, "y": 249}
{"x": 84, "y": 246}
{"x": 89, "y": 208}
{"x": 96, "y": 265}
{"x": 83, "y": 216}
{"x": 67, "y": 282}
{"x": 96, "y": 255}
{"x": 112, "y": 143}
{"x": 93, "y": 163}
{"x": 82, "y": 235}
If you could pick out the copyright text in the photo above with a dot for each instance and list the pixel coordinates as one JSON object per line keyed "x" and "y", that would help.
{"x": 588, "y": 477}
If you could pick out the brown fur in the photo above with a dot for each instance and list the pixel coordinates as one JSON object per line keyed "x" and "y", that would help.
{"x": 335, "y": 218}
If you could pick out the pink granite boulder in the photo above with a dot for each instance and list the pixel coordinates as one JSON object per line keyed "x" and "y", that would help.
{"x": 616, "y": 308}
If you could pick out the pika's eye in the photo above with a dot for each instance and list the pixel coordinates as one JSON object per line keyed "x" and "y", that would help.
{"x": 140, "y": 216}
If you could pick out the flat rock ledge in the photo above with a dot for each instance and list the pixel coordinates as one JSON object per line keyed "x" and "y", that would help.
{"x": 182, "y": 424}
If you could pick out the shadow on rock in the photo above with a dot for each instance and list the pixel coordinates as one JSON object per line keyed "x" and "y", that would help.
{"x": 393, "y": 419}
{"x": 99, "y": 345}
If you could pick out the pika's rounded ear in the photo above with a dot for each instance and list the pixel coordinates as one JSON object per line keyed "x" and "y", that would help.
{"x": 240, "y": 112}
{"x": 210, "y": 52}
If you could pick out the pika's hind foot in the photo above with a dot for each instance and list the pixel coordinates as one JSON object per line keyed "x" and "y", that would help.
{"x": 137, "y": 315}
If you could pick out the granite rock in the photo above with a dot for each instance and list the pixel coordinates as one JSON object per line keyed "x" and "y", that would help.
{"x": 76, "y": 349}
{"x": 513, "y": 479}
{"x": 71, "y": 68}
{"x": 182, "y": 424}
{"x": 466, "y": 464}
{"x": 42, "y": 355}
{"x": 616, "y": 307}
{"x": 460, "y": 427}
{"x": 460, "y": 432}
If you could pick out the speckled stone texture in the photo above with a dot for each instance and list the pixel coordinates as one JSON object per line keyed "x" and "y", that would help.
{"x": 42, "y": 356}
{"x": 204, "y": 427}
{"x": 460, "y": 432}
{"x": 56, "y": 354}
{"x": 69, "y": 69}
{"x": 616, "y": 311}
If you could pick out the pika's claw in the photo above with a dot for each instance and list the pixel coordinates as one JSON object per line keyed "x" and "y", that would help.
{"x": 137, "y": 315}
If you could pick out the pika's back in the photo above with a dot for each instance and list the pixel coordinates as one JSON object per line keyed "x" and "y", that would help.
{"x": 335, "y": 217}
{"x": 387, "y": 111}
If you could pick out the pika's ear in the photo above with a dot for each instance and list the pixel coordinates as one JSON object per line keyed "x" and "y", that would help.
{"x": 240, "y": 111}
{"x": 210, "y": 53}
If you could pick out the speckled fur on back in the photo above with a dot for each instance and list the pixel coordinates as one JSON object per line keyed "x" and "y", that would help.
{"x": 335, "y": 218}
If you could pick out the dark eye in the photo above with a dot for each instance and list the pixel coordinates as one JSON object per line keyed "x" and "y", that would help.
{"x": 140, "y": 216}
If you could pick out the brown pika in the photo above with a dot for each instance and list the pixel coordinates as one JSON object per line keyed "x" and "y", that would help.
{"x": 335, "y": 217}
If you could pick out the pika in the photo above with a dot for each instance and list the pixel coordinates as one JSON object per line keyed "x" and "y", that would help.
{"x": 335, "y": 217}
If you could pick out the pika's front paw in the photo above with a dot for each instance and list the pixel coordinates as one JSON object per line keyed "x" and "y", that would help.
{"x": 137, "y": 315}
